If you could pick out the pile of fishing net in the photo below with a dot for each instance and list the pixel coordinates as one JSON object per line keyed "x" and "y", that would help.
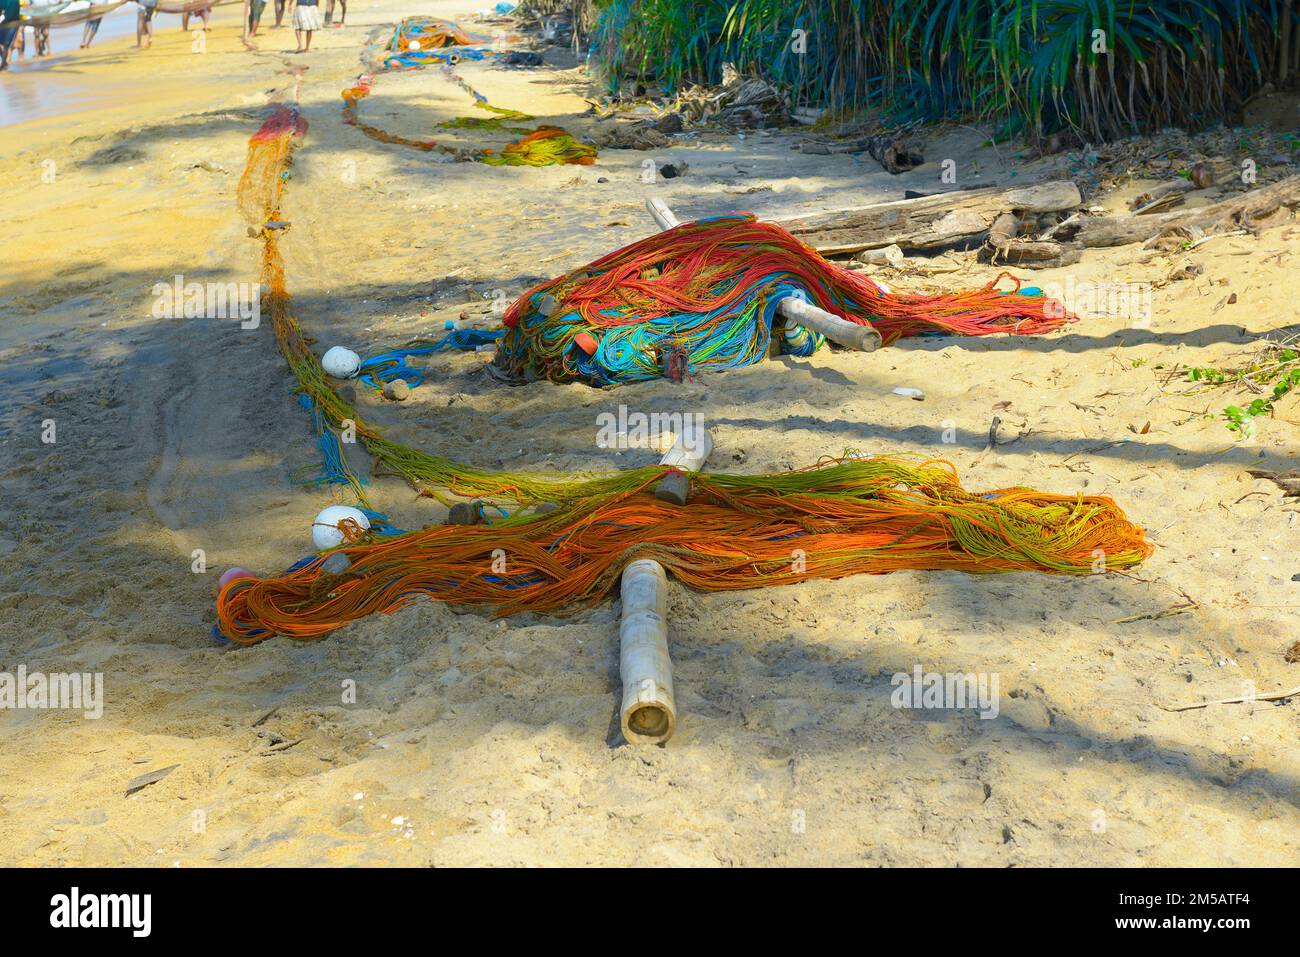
{"x": 703, "y": 296}
{"x": 419, "y": 41}
{"x": 848, "y": 517}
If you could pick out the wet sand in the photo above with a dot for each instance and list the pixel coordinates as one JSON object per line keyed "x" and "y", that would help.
{"x": 481, "y": 742}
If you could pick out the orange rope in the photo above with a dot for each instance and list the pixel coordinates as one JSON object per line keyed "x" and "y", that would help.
{"x": 847, "y": 517}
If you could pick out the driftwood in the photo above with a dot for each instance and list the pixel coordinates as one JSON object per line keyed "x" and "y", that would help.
{"x": 1288, "y": 482}
{"x": 1166, "y": 194}
{"x": 894, "y": 155}
{"x": 1006, "y": 245}
{"x": 1243, "y": 210}
{"x": 928, "y": 222}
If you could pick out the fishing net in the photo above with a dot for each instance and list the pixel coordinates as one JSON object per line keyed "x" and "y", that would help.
{"x": 709, "y": 290}
{"x": 838, "y": 518}
{"x": 848, "y": 517}
{"x": 420, "y": 41}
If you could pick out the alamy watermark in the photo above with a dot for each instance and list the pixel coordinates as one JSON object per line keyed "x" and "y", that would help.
{"x": 643, "y": 430}
{"x": 927, "y": 690}
{"x": 1129, "y": 301}
{"x": 209, "y": 300}
{"x": 36, "y": 690}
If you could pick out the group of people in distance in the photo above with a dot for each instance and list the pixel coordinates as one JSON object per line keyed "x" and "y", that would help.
{"x": 305, "y": 19}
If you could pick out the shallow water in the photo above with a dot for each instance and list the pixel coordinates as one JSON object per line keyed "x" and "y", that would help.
{"x": 69, "y": 81}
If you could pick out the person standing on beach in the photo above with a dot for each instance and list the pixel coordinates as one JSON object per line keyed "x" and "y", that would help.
{"x": 329, "y": 12}
{"x": 144, "y": 23}
{"x": 202, "y": 14}
{"x": 88, "y": 34}
{"x": 280, "y": 6}
{"x": 9, "y": 28}
{"x": 306, "y": 19}
{"x": 252, "y": 16}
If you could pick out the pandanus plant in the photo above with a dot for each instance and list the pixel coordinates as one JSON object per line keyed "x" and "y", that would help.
{"x": 1106, "y": 68}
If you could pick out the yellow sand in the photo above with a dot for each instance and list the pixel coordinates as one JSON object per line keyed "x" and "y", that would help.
{"x": 479, "y": 742}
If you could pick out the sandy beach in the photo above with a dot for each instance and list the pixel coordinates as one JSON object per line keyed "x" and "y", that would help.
{"x": 475, "y": 741}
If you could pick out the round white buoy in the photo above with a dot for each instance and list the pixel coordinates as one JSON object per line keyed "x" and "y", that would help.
{"x": 325, "y": 531}
{"x": 340, "y": 363}
{"x": 415, "y": 46}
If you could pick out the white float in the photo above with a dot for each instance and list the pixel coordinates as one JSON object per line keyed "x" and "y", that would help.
{"x": 325, "y": 530}
{"x": 340, "y": 363}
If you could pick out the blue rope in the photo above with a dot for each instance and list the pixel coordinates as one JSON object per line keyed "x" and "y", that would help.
{"x": 388, "y": 366}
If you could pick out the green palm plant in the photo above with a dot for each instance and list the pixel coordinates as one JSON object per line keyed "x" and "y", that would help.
{"x": 1104, "y": 67}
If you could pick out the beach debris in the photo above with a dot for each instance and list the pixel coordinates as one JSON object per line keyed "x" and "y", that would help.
{"x": 629, "y": 136}
{"x": 1182, "y": 608}
{"x": 894, "y": 155}
{"x": 1288, "y": 482}
{"x": 340, "y": 363}
{"x": 910, "y": 393}
{"x": 1255, "y": 209}
{"x": 397, "y": 390}
{"x": 1162, "y": 196}
{"x": 466, "y": 513}
{"x": 1292, "y": 655}
{"x": 673, "y": 170}
{"x": 140, "y": 782}
{"x": 521, "y": 58}
{"x": 1240, "y": 699}
{"x": 740, "y": 102}
{"x": 336, "y": 525}
{"x": 891, "y": 255}
{"x": 278, "y": 745}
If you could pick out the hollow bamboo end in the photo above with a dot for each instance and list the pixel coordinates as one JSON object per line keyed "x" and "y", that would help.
{"x": 649, "y": 723}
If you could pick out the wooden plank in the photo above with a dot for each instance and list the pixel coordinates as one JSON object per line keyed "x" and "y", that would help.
{"x": 927, "y": 221}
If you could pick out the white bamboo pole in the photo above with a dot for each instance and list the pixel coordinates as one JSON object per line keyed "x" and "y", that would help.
{"x": 689, "y": 453}
{"x": 648, "y": 714}
{"x": 864, "y": 338}
{"x": 663, "y": 216}
{"x": 849, "y": 334}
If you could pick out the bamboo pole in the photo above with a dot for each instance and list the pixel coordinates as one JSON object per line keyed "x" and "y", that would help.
{"x": 689, "y": 453}
{"x": 648, "y": 714}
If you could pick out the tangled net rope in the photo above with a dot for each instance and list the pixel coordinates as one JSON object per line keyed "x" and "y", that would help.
{"x": 260, "y": 189}
{"x": 844, "y": 518}
{"x": 710, "y": 289}
{"x": 837, "y": 518}
{"x": 419, "y": 41}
